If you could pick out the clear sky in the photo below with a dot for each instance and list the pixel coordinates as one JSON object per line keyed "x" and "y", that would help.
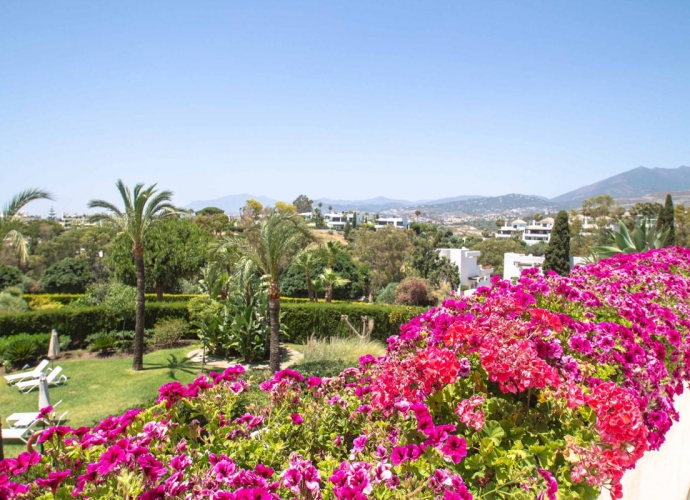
{"x": 338, "y": 99}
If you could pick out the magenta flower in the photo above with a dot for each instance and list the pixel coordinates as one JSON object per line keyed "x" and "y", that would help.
{"x": 53, "y": 480}
{"x": 296, "y": 419}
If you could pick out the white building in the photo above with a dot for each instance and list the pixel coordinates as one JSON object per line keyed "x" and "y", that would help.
{"x": 515, "y": 263}
{"x": 472, "y": 275}
{"x": 70, "y": 221}
{"x": 337, "y": 221}
{"x": 507, "y": 231}
{"x": 397, "y": 222}
{"x": 538, "y": 231}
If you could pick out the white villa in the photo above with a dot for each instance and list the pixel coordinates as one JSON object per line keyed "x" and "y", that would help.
{"x": 472, "y": 275}
{"x": 532, "y": 233}
{"x": 337, "y": 221}
{"x": 70, "y": 221}
{"x": 515, "y": 263}
{"x": 396, "y": 222}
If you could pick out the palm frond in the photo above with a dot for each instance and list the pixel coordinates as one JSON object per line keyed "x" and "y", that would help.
{"x": 17, "y": 240}
{"x": 21, "y": 199}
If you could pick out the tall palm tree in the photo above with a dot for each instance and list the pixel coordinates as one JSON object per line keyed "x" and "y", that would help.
{"x": 10, "y": 222}
{"x": 307, "y": 261}
{"x": 143, "y": 208}
{"x": 329, "y": 251}
{"x": 271, "y": 247}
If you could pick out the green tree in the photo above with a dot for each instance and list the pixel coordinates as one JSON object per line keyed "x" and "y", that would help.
{"x": 174, "y": 249}
{"x": 143, "y": 209}
{"x": 557, "y": 256}
{"x": 210, "y": 211}
{"x": 329, "y": 252}
{"x": 666, "y": 221}
{"x": 271, "y": 247}
{"x": 647, "y": 210}
{"x": 492, "y": 251}
{"x": 71, "y": 275}
{"x": 329, "y": 279}
{"x": 307, "y": 261}
{"x": 681, "y": 219}
{"x": 598, "y": 206}
{"x": 303, "y": 204}
{"x": 11, "y": 225}
{"x": 386, "y": 251}
{"x": 10, "y": 276}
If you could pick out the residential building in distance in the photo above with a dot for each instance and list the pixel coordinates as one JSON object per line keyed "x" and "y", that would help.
{"x": 396, "y": 222}
{"x": 515, "y": 263}
{"x": 538, "y": 231}
{"x": 472, "y": 275}
{"x": 75, "y": 220}
{"x": 508, "y": 230}
{"x": 337, "y": 221}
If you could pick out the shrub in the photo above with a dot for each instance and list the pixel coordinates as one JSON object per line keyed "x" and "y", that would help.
{"x": 10, "y": 276}
{"x": 12, "y": 304}
{"x": 38, "y": 303}
{"x": 79, "y": 322}
{"x": 414, "y": 292}
{"x": 169, "y": 332}
{"x": 23, "y": 348}
{"x": 102, "y": 342}
{"x": 387, "y": 294}
{"x": 71, "y": 275}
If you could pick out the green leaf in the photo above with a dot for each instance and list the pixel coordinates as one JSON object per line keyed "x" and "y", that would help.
{"x": 494, "y": 432}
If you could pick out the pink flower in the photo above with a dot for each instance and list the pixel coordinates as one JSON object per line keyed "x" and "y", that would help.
{"x": 296, "y": 419}
{"x": 53, "y": 480}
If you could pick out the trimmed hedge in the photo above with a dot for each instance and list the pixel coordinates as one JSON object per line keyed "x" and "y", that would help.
{"x": 68, "y": 298}
{"x": 80, "y": 322}
{"x": 302, "y": 320}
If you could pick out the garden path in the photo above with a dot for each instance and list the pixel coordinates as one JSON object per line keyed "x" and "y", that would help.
{"x": 290, "y": 358}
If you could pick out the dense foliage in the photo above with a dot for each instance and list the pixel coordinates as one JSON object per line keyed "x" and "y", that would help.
{"x": 10, "y": 276}
{"x": 70, "y": 275}
{"x": 552, "y": 386}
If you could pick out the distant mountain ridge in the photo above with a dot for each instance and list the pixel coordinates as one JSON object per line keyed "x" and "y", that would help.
{"x": 634, "y": 183}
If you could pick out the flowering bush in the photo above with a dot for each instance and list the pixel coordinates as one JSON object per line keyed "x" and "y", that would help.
{"x": 551, "y": 387}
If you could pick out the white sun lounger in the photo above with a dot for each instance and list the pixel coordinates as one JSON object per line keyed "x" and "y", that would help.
{"x": 27, "y": 386}
{"x": 31, "y": 374}
{"x": 19, "y": 433}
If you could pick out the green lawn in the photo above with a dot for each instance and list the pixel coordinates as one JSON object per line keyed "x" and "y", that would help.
{"x": 98, "y": 388}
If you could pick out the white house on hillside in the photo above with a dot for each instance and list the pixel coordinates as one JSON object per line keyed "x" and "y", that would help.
{"x": 396, "y": 222}
{"x": 472, "y": 275}
{"x": 508, "y": 230}
{"x": 515, "y": 263}
{"x": 337, "y": 221}
{"x": 538, "y": 231}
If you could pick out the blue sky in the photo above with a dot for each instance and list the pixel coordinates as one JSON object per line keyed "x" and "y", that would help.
{"x": 415, "y": 100}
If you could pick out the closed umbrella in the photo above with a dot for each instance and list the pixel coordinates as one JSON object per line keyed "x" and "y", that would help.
{"x": 43, "y": 395}
{"x": 54, "y": 347}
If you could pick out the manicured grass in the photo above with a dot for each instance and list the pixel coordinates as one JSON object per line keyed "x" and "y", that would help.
{"x": 98, "y": 388}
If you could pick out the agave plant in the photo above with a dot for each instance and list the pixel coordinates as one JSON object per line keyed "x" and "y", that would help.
{"x": 642, "y": 238}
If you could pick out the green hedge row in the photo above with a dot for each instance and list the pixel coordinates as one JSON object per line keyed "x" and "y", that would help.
{"x": 302, "y": 320}
{"x": 79, "y": 322}
{"x": 68, "y": 298}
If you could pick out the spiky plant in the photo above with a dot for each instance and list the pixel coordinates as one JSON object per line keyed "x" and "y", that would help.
{"x": 11, "y": 223}
{"x": 642, "y": 238}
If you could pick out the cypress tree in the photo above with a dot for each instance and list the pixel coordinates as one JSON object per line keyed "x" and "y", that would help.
{"x": 558, "y": 252}
{"x": 666, "y": 220}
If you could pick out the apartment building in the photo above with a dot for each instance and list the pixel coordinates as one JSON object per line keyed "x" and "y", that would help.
{"x": 472, "y": 275}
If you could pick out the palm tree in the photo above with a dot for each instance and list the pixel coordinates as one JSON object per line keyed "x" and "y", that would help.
{"x": 10, "y": 222}
{"x": 330, "y": 280}
{"x": 271, "y": 247}
{"x": 306, "y": 261}
{"x": 143, "y": 208}
{"x": 329, "y": 251}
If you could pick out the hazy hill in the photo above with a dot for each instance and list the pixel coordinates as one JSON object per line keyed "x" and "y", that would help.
{"x": 493, "y": 205}
{"x": 631, "y": 184}
{"x": 381, "y": 203}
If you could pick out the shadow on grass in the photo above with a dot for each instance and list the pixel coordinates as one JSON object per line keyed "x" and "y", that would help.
{"x": 174, "y": 364}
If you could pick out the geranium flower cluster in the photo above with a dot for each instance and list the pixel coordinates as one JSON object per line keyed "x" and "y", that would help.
{"x": 574, "y": 375}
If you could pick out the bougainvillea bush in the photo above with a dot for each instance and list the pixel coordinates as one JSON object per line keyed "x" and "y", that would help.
{"x": 550, "y": 388}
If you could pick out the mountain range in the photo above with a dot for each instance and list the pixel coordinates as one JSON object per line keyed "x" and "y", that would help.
{"x": 628, "y": 186}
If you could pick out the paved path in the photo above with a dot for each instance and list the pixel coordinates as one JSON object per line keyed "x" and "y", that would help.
{"x": 292, "y": 358}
